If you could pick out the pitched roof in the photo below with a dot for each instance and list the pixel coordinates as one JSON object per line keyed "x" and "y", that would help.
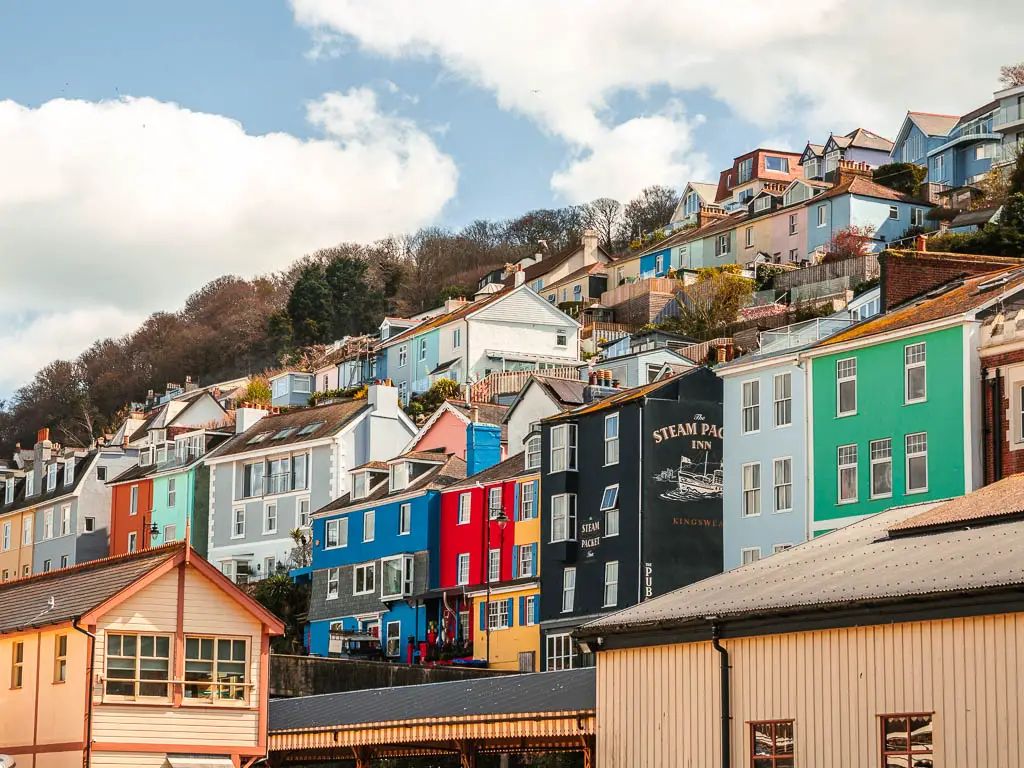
{"x": 444, "y": 318}
{"x": 816, "y": 149}
{"x": 74, "y": 591}
{"x": 549, "y": 263}
{"x": 932, "y": 124}
{"x": 852, "y": 566}
{"x": 41, "y": 495}
{"x": 950, "y": 300}
{"x": 335, "y": 416}
{"x": 859, "y": 185}
{"x": 513, "y": 466}
{"x": 1002, "y": 500}
{"x": 436, "y": 478}
{"x": 137, "y": 472}
{"x": 567, "y": 691}
{"x": 485, "y": 413}
{"x": 597, "y": 268}
{"x": 860, "y": 137}
{"x": 625, "y": 396}
{"x": 704, "y": 189}
{"x": 978, "y": 217}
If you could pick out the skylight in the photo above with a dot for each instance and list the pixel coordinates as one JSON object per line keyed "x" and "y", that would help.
{"x": 259, "y": 438}
{"x": 311, "y": 428}
{"x": 286, "y": 432}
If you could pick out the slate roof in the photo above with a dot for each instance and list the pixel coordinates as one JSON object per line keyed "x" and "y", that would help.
{"x": 980, "y": 217}
{"x": 626, "y": 396}
{"x": 436, "y": 478}
{"x": 335, "y": 416}
{"x": 41, "y": 495}
{"x": 1001, "y": 500}
{"x": 859, "y": 185}
{"x": 860, "y": 137}
{"x": 137, "y": 472}
{"x": 487, "y": 413}
{"x": 953, "y": 299}
{"x": 549, "y": 263}
{"x": 817, "y": 149}
{"x": 567, "y": 691}
{"x": 853, "y": 566}
{"x": 513, "y": 466}
{"x": 76, "y": 590}
{"x": 445, "y": 317}
{"x": 597, "y": 268}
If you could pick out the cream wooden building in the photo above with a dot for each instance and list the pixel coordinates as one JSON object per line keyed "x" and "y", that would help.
{"x": 147, "y": 659}
{"x": 897, "y": 641}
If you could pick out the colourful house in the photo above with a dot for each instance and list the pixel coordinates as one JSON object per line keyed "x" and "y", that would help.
{"x": 490, "y": 566}
{"x": 145, "y": 660}
{"x": 921, "y": 133}
{"x": 376, "y": 555}
{"x": 445, "y": 430}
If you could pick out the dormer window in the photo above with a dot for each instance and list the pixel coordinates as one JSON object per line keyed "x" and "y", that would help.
{"x": 51, "y": 476}
{"x": 399, "y": 476}
{"x": 145, "y": 457}
{"x": 776, "y": 164}
{"x": 69, "y": 472}
{"x": 360, "y": 485}
{"x": 9, "y": 492}
{"x": 533, "y": 452}
{"x": 30, "y": 483}
{"x": 812, "y": 168}
{"x": 762, "y": 203}
{"x": 161, "y": 453}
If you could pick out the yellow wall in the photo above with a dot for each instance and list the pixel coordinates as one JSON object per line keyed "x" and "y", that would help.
{"x": 506, "y": 644}
{"x": 14, "y": 559}
{"x": 659, "y": 705}
{"x": 61, "y": 707}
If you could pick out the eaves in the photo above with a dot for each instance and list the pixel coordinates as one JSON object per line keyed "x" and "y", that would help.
{"x": 883, "y": 338}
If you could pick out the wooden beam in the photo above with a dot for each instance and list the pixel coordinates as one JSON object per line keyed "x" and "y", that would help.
{"x": 588, "y": 751}
{"x": 467, "y": 754}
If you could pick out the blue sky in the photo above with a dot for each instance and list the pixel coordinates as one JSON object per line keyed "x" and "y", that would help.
{"x": 148, "y": 148}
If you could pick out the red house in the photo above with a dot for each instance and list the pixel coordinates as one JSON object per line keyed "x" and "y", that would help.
{"x": 131, "y": 511}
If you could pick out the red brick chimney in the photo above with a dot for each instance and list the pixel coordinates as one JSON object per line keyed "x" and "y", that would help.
{"x": 43, "y": 435}
{"x": 708, "y": 214}
{"x": 849, "y": 169}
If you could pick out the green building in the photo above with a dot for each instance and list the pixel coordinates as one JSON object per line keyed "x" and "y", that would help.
{"x": 895, "y": 407}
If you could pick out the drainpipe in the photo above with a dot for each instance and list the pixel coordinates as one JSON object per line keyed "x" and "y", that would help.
{"x": 986, "y": 427}
{"x": 87, "y": 752}
{"x": 997, "y": 421}
{"x": 724, "y": 655}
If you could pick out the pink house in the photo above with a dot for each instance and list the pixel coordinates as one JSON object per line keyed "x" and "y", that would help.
{"x": 446, "y": 429}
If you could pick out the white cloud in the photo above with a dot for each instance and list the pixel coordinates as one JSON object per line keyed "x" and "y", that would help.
{"x": 27, "y": 347}
{"x": 135, "y": 203}
{"x": 789, "y": 67}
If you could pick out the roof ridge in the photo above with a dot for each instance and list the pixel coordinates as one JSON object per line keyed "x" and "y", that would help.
{"x": 142, "y": 554}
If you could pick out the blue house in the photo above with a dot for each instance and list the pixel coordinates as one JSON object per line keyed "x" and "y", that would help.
{"x": 376, "y": 553}
{"x": 857, "y": 201}
{"x": 966, "y": 155}
{"x": 291, "y": 388}
{"x": 921, "y": 133}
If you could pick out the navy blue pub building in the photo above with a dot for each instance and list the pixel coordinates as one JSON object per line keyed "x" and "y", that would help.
{"x": 631, "y": 487}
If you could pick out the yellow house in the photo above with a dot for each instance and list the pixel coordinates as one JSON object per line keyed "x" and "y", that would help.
{"x": 141, "y": 660}
{"x": 16, "y": 544}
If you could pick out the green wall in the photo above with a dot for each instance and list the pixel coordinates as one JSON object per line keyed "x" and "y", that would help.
{"x": 882, "y": 413}
{"x": 191, "y": 502}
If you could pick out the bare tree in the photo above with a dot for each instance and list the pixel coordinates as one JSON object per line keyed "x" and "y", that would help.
{"x": 604, "y": 215}
{"x": 648, "y": 212}
{"x": 1012, "y": 75}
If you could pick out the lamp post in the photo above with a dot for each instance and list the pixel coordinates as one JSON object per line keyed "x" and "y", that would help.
{"x": 502, "y": 520}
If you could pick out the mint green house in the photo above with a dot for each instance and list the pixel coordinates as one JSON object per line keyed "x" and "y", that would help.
{"x": 181, "y": 491}
{"x": 895, "y": 415}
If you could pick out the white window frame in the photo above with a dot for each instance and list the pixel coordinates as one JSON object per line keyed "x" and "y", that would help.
{"x": 527, "y": 506}
{"x": 754, "y": 554}
{"x": 750, "y": 405}
{"x": 822, "y": 214}
{"x": 340, "y": 527}
{"x": 65, "y": 520}
{"x": 894, "y": 212}
{"x": 6, "y": 545}
{"x": 561, "y": 338}
{"x": 404, "y": 519}
{"x": 611, "y": 442}
{"x": 917, "y": 217}
{"x": 360, "y": 485}
{"x": 560, "y": 652}
{"x": 783, "y": 461}
{"x": 916, "y": 454}
{"x": 172, "y": 491}
{"x": 494, "y": 564}
{"x": 408, "y": 575}
{"x": 51, "y": 476}
{"x": 133, "y": 542}
{"x": 748, "y": 237}
{"x": 26, "y": 528}
{"x": 530, "y": 605}
{"x": 422, "y": 344}
{"x": 879, "y": 455}
{"x": 88, "y": 524}
{"x": 792, "y": 224}
{"x": 465, "y": 508}
{"x": 610, "y": 497}
{"x": 567, "y": 515}
{"x": 563, "y": 457}
{"x": 371, "y": 568}
{"x": 30, "y": 483}
{"x": 403, "y": 355}
{"x": 369, "y": 525}
{"x": 238, "y": 523}
{"x": 844, "y": 378}
{"x": 494, "y": 502}
{"x": 533, "y": 452}
{"x": 782, "y": 402}
{"x": 497, "y": 615}
{"x": 527, "y": 566}
{"x": 270, "y": 520}
{"x": 456, "y": 338}
{"x": 396, "y": 636}
{"x": 170, "y": 533}
{"x": 304, "y": 518}
{"x": 333, "y": 583}
{"x": 609, "y": 516}
{"x": 133, "y": 500}
{"x": 750, "y": 485}
{"x": 611, "y": 584}
{"x": 846, "y": 465}
{"x": 69, "y": 472}
{"x": 48, "y": 525}
{"x": 462, "y": 567}
{"x": 568, "y": 589}
{"x": 915, "y": 356}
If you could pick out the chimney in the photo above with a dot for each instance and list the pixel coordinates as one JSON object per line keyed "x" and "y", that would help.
{"x": 383, "y": 399}
{"x": 245, "y": 417}
{"x": 483, "y": 446}
{"x": 849, "y": 169}
{"x": 520, "y": 277}
{"x": 921, "y": 243}
{"x": 43, "y": 451}
{"x": 589, "y": 246}
{"x": 451, "y": 305}
{"x": 708, "y": 214}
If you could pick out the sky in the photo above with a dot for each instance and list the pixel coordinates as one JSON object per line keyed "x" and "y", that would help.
{"x": 147, "y": 148}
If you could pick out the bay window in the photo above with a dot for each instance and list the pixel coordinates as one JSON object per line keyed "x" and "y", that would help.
{"x": 396, "y": 577}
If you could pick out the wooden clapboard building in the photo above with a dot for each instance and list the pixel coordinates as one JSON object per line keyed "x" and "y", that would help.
{"x": 631, "y": 493}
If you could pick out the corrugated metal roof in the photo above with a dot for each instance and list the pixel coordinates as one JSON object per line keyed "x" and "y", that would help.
{"x": 853, "y": 565}
{"x": 568, "y": 691}
{"x": 74, "y": 591}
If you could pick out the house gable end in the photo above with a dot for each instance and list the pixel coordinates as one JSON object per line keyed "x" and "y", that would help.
{"x": 523, "y": 305}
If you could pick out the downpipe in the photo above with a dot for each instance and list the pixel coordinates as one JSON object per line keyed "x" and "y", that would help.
{"x": 87, "y": 752}
{"x": 726, "y": 718}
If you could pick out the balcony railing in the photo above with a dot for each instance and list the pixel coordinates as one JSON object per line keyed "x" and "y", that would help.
{"x": 798, "y": 334}
{"x": 510, "y": 382}
{"x": 1008, "y": 116}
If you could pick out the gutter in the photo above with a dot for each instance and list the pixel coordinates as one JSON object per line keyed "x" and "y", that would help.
{"x": 726, "y": 718}
{"x": 87, "y": 752}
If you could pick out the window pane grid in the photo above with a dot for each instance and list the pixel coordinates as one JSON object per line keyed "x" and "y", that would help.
{"x": 771, "y": 744}
{"x": 783, "y": 400}
{"x": 908, "y": 738}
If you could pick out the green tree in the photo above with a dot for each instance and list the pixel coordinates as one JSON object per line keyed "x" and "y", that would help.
{"x": 288, "y": 601}
{"x": 710, "y": 304}
{"x": 309, "y": 307}
{"x": 903, "y": 177}
{"x": 356, "y": 307}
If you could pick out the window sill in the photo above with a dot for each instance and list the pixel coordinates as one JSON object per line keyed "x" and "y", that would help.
{"x": 846, "y": 415}
{"x": 270, "y": 533}
{"x": 362, "y": 594}
{"x": 782, "y": 511}
{"x": 880, "y": 497}
{"x": 915, "y": 402}
{"x": 918, "y": 492}
{"x": 783, "y": 426}
{"x": 846, "y": 503}
{"x": 237, "y": 538}
{"x": 753, "y": 432}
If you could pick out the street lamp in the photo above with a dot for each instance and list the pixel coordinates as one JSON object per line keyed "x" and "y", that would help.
{"x": 502, "y": 520}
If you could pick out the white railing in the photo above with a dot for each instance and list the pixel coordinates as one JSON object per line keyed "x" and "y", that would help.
{"x": 1007, "y": 115}
{"x": 510, "y": 382}
{"x": 798, "y": 334}
{"x": 699, "y": 352}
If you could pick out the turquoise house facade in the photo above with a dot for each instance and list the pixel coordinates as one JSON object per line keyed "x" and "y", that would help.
{"x": 182, "y": 499}
{"x": 892, "y": 421}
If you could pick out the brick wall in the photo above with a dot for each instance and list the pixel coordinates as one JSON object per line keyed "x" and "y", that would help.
{"x": 997, "y": 426}
{"x": 905, "y": 274}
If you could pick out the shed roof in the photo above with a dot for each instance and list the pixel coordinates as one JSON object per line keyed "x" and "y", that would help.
{"x": 856, "y": 565}
{"x": 568, "y": 691}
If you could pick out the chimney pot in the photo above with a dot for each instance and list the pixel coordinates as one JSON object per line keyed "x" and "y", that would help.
{"x": 43, "y": 435}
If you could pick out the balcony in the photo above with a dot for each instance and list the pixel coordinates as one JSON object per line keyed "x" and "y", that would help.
{"x": 799, "y": 334}
{"x": 969, "y": 134}
{"x": 1009, "y": 118}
